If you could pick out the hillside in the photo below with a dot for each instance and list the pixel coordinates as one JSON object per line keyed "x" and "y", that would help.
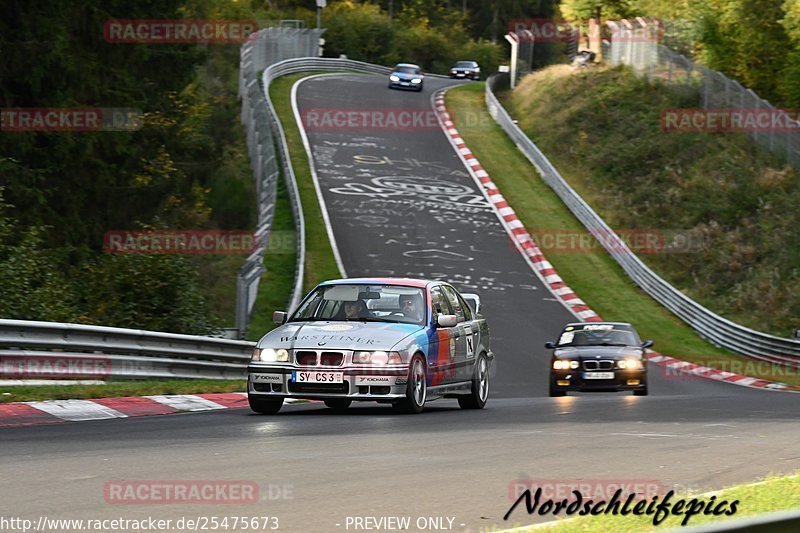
{"x": 736, "y": 204}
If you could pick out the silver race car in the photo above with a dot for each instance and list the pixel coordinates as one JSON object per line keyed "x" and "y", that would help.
{"x": 390, "y": 340}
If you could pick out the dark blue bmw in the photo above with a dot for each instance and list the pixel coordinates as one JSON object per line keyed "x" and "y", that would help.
{"x": 406, "y": 76}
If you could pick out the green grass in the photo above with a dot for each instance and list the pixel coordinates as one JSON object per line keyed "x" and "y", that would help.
{"x": 28, "y": 393}
{"x": 595, "y": 277}
{"x": 772, "y": 495}
{"x": 320, "y": 263}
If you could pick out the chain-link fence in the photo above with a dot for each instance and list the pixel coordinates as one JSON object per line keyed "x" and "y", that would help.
{"x": 635, "y": 43}
{"x": 266, "y": 47}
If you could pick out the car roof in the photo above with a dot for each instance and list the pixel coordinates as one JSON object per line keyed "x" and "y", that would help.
{"x": 466, "y": 61}
{"x": 412, "y": 65}
{"x": 407, "y": 282}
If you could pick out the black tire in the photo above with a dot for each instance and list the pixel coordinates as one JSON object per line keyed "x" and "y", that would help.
{"x": 555, "y": 393}
{"x": 265, "y": 406}
{"x": 641, "y": 392}
{"x": 480, "y": 386}
{"x": 338, "y": 404}
{"x": 416, "y": 388}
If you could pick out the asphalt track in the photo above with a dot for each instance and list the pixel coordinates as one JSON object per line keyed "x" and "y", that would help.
{"x": 316, "y": 468}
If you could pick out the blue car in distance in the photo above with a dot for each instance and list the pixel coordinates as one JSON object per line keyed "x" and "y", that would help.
{"x": 406, "y": 76}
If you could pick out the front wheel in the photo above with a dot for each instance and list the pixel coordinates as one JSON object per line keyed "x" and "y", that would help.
{"x": 265, "y": 406}
{"x": 641, "y": 392}
{"x": 480, "y": 387}
{"x": 416, "y": 388}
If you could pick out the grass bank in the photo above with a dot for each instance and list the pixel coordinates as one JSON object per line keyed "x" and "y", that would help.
{"x": 736, "y": 202}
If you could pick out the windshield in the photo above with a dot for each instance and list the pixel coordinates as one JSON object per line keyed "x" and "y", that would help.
{"x": 597, "y": 335}
{"x": 364, "y": 303}
{"x": 406, "y": 70}
{"x": 465, "y": 64}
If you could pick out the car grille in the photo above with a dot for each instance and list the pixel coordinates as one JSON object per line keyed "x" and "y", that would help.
{"x": 337, "y": 388}
{"x": 603, "y": 364}
{"x": 331, "y": 359}
{"x": 312, "y": 358}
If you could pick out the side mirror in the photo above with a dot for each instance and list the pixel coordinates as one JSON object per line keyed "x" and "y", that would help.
{"x": 446, "y": 321}
{"x": 474, "y": 302}
{"x": 279, "y": 317}
{"x": 647, "y": 344}
{"x": 550, "y": 345}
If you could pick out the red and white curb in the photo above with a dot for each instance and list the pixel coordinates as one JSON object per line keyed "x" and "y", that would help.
{"x": 694, "y": 369}
{"x": 511, "y": 222}
{"x": 545, "y": 271}
{"x": 51, "y": 411}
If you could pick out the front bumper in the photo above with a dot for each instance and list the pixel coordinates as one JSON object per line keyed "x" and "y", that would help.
{"x": 358, "y": 383}
{"x": 575, "y": 380}
{"x": 403, "y": 84}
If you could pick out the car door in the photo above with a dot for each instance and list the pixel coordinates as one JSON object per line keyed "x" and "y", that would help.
{"x": 442, "y": 356}
{"x": 464, "y": 340}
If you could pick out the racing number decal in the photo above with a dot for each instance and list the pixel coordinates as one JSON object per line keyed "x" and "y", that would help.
{"x": 470, "y": 338}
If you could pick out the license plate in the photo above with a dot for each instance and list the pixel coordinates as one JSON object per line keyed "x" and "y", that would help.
{"x": 460, "y": 75}
{"x": 300, "y": 376}
{"x": 405, "y": 83}
{"x": 598, "y": 375}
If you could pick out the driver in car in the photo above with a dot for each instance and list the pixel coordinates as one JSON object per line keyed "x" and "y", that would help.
{"x": 411, "y": 307}
{"x": 355, "y": 310}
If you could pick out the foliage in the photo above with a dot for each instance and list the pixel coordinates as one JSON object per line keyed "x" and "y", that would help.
{"x": 422, "y": 32}
{"x": 185, "y": 168}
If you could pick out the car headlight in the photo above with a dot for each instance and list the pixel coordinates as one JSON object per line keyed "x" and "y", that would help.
{"x": 452, "y": 71}
{"x": 629, "y": 364}
{"x": 416, "y": 80}
{"x": 269, "y": 355}
{"x": 378, "y": 357}
{"x": 394, "y": 78}
{"x": 564, "y": 364}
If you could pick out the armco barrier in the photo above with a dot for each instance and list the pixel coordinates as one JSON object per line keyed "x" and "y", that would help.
{"x": 31, "y": 350}
{"x": 717, "y": 330}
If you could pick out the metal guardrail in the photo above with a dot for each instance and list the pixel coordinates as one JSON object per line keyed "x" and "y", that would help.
{"x": 266, "y": 47}
{"x": 30, "y": 350}
{"x": 712, "y": 327}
